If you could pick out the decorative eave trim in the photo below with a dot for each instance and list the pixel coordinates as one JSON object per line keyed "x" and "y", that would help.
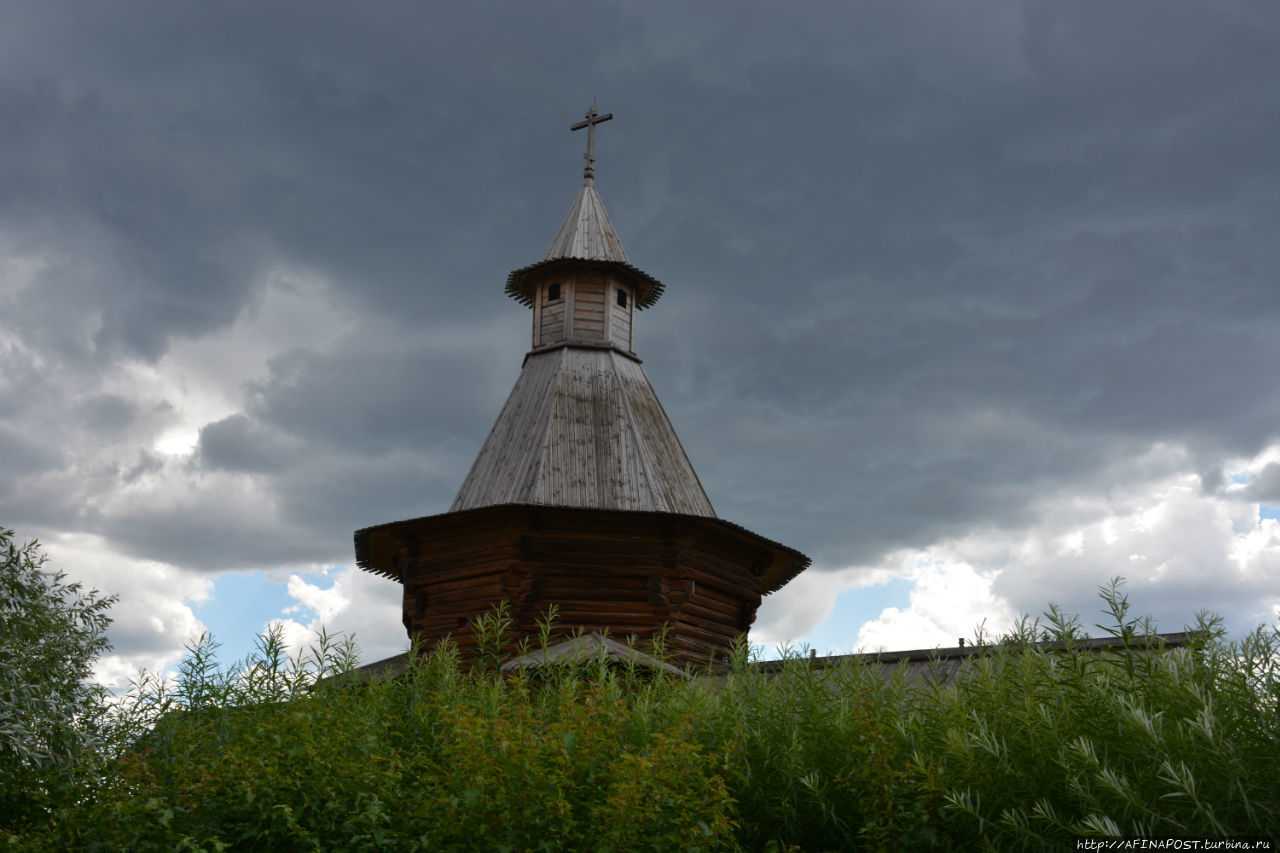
{"x": 648, "y": 288}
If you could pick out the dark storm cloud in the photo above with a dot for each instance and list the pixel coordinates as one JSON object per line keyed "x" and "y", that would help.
{"x": 212, "y": 531}
{"x": 337, "y": 497}
{"x": 22, "y": 455}
{"x": 368, "y": 399}
{"x": 182, "y": 152}
{"x": 237, "y": 443}
{"x": 107, "y": 413}
{"x": 928, "y": 265}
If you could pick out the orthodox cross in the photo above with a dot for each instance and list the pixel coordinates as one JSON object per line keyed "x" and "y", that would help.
{"x": 593, "y": 118}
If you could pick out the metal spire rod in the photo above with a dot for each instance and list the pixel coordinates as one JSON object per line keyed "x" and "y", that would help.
{"x": 593, "y": 118}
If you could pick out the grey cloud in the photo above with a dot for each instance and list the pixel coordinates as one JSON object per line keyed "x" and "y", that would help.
{"x": 1265, "y": 485}
{"x": 107, "y": 413}
{"x": 335, "y": 497}
{"x": 148, "y": 463}
{"x": 21, "y": 455}
{"x": 237, "y": 443}
{"x": 218, "y": 532}
{"x": 367, "y": 398}
{"x": 929, "y": 268}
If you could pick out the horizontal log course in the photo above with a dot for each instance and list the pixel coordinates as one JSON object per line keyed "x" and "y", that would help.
{"x": 462, "y": 579}
{"x": 623, "y": 572}
{"x": 727, "y": 561}
{"x": 737, "y": 583}
{"x": 603, "y": 595}
{"x": 462, "y": 601}
{"x": 619, "y": 561}
{"x": 598, "y": 539}
{"x": 580, "y": 609}
{"x": 704, "y": 631}
{"x": 447, "y": 572}
{"x": 463, "y": 542}
{"x": 713, "y": 611}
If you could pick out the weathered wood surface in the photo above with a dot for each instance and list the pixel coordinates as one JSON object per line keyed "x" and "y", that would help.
{"x": 587, "y": 233}
{"x": 621, "y": 572}
{"x": 584, "y": 428}
{"x": 550, "y": 326}
{"x": 589, "y": 308}
{"x": 620, "y": 328}
{"x": 586, "y": 311}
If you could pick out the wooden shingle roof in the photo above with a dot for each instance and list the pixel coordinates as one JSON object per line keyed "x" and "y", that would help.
{"x": 587, "y": 234}
{"x": 584, "y": 428}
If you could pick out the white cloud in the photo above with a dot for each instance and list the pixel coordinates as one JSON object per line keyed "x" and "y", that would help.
{"x": 1179, "y": 550}
{"x": 325, "y": 603}
{"x": 792, "y": 613}
{"x": 357, "y": 604}
{"x": 798, "y": 607}
{"x": 201, "y": 380}
{"x": 949, "y": 600}
{"x": 152, "y": 622}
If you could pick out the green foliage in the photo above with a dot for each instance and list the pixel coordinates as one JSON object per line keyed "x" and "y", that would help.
{"x": 1034, "y": 746}
{"x": 443, "y": 758}
{"x": 1029, "y": 746}
{"x": 813, "y": 757}
{"x": 50, "y": 717}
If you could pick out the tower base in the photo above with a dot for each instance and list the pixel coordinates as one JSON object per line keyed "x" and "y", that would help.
{"x": 626, "y": 573}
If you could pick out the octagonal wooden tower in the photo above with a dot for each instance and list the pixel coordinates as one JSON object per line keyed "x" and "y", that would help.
{"x": 582, "y": 496}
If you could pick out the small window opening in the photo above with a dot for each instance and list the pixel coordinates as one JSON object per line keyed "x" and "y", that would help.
{"x": 622, "y": 298}
{"x": 553, "y": 292}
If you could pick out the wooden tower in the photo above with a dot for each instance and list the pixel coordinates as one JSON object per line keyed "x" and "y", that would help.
{"x": 582, "y": 495}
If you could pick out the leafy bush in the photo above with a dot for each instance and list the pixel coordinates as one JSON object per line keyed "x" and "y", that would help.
{"x": 814, "y": 759}
{"x": 1035, "y": 746}
{"x": 50, "y": 716}
{"x": 443, "y": 758}
{"x": 1028, "y": 746}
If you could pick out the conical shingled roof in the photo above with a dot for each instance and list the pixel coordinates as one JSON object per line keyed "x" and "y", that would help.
{"x": 584, "y": 428}
{"x": 586, "y": 234}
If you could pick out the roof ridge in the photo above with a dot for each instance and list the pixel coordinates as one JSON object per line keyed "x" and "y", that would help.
{"x": 541, "y": 450}
{"x": 621, "y": 391}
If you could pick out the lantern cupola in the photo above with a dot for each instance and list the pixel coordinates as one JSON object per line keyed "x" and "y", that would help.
{"x": 585, "y": 290}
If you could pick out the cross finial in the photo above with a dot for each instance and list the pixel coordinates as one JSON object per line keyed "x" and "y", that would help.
{"x": 593, "y": 118}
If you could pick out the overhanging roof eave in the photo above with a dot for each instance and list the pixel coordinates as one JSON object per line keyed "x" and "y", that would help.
{"x": 792, "y": 562}
{"x": 652, "y": 288}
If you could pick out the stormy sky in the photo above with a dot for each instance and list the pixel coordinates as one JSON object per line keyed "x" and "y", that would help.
{"x": 977, "y": 304}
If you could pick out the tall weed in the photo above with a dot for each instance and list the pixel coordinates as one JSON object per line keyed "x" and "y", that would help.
{"x": 1035, "y": 745}
{"x": 1038, "y": 739}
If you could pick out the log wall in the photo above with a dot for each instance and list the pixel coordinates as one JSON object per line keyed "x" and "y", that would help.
{"x": 601, "y": 575}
